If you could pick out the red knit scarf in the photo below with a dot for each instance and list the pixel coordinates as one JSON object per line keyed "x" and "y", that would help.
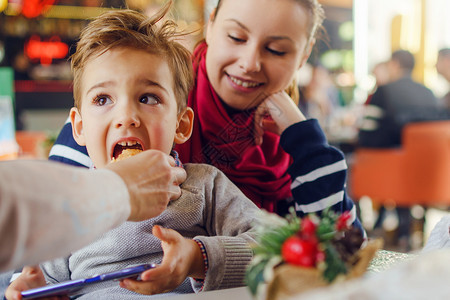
{"x": 227, "y": 143}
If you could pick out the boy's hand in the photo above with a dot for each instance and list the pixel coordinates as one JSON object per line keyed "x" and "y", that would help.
{"x": 31, "y": 277}
{"x": 283, "y": 112}
{"x": 152, "y": 180}
{"x": 182, "y": 258}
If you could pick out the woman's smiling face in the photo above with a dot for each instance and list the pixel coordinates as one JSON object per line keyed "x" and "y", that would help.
{"x": 254, "y": 49}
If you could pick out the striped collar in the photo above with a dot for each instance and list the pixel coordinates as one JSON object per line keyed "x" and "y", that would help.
{"x": 174, "y": 154}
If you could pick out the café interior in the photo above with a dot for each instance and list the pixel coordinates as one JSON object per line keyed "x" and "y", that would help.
{"x": 38, "y": 37}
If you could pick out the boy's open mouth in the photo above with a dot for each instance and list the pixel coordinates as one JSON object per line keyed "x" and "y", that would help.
{"x": 126, "y": 149}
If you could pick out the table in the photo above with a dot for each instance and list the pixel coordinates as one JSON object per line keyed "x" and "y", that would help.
{"x": 240, "y": 293}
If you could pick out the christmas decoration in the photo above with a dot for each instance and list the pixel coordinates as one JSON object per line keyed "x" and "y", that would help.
{"x": 295, "y": 254}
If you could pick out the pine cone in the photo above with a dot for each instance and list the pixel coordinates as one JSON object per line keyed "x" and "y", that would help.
{"x": 349, "y": 243}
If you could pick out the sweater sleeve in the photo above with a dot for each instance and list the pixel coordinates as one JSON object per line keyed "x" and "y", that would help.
{"x": 318, "y": 171}
{"x": 56, "y": 271}
{"x": 36, "y": 195}
{"x": 229, "y": 217}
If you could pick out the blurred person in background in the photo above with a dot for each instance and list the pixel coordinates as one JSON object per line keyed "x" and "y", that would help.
{"x": 395, "y": 104}
{"x": 381, "y": 73}
{"x": 320, "y": 95}
{"x": 443, "y": 69}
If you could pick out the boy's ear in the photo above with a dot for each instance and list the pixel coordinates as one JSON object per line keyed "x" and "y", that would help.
{"x": 77, "y": 126}
{"x": 308, "y": 51}
{"x": 185, "y": 125}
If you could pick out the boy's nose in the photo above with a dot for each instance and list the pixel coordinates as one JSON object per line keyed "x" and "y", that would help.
{"x": 128, "y": 117}
{"x": 250, "y": 60}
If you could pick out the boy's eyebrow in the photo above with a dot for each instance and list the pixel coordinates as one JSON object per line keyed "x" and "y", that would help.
{"x": 246, "y": 29}
{"x": 99, "y": 85}
{"x": 151, "y": 82}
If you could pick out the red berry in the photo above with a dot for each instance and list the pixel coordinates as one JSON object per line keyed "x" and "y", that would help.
{"x": 341, "y": 222}
{"x": 320, "y": 256}
{"x": 308, "y": 228}
{"x": 299, "y": 252}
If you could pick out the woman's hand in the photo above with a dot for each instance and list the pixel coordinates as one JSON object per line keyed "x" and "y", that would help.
{"x": 276, "y": 113}
{"x": 30, "y": 278}
{"x": 182, "y": 258}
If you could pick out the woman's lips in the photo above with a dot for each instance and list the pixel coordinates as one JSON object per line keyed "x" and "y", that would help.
{"x": 242, "y": 84}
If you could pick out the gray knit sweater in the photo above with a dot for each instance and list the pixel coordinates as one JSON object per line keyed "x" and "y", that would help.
{"x": 211, "y": 209}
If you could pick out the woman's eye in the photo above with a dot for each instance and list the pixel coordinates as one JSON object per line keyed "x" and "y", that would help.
{"x": 101, "y": 100}
{"x": 236, "y": 39}
{"x": 276, "y": 52}
{"x": 149, "y": 99}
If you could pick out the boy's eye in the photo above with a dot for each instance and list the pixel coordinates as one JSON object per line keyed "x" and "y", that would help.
{"x": 149, "y": 99}
{"x": 236, "y": 39}
{"x": 101, "y": 100}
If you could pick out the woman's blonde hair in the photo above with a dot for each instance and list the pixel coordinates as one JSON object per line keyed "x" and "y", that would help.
{"x": 131, "y": 29}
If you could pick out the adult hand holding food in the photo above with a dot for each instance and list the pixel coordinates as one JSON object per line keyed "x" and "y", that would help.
{"x": 81, "y": 204}
{"x": 152, "y": 180}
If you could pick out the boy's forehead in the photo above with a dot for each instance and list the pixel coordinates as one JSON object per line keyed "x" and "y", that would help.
{"x": 126, "y": 63}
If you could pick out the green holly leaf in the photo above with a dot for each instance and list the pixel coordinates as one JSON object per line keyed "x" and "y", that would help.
{"x": 271, "y": 235}
{"x": 334, "y": 265}
{"x": 271, "y": 241}
{"x": 326, "y": 230}
{"x": 254, "y": 275}
{"x": 260, "y": 271}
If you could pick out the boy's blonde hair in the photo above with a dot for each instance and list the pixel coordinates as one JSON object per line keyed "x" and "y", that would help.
{"x": 131, "y": 29}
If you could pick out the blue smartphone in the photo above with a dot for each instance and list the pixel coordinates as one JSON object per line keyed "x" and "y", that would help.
{"x": 70, "y": 287}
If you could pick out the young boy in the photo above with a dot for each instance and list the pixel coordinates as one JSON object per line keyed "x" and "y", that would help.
{"x": 131, "y": 82}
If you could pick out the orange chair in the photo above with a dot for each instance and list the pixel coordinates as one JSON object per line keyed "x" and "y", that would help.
{"x": 29, "y": 143}
{"x": 416, "y": 173}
